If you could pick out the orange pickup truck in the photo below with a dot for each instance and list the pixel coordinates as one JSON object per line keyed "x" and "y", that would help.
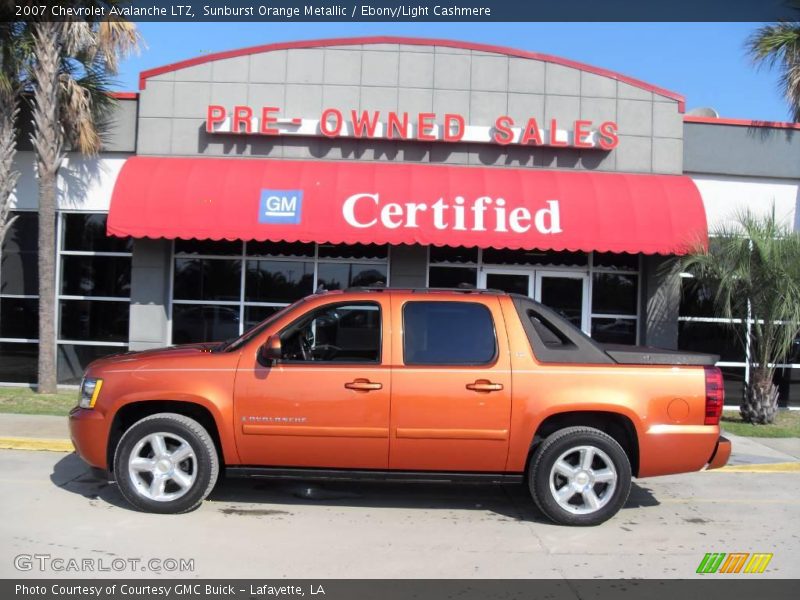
{"x": 403, "y": 384}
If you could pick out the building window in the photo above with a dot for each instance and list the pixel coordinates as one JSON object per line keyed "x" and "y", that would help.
{"x": 453, "y": 267}
{"x": 613, "y": 281}
{"x": 19, "y": 300}
{"x": 93, "y": 306}
{"x": 221, "y": 289}
{"x": 614, "y": 305}
{"x": 700, "y": 330}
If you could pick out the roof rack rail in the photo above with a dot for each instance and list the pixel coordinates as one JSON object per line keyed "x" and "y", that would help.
{"x": 424, "y": 290}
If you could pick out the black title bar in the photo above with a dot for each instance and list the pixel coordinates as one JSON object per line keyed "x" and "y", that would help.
{"x": 406, "y": 11}
{"x": 743, "y": 587}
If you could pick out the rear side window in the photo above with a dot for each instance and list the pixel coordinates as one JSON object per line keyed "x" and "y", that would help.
{"x": 448, "y": 333}
{"x": 550, "y": 335}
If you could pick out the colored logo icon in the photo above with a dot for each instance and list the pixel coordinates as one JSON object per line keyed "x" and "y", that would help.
{"x": 280, "y": 207}
{"x": 735, "y": 562}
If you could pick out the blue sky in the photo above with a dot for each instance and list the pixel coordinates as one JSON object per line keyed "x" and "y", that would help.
{"x": 706, "y": 62}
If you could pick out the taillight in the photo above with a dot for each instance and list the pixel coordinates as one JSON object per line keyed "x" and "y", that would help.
{"x": 715, "y": 395}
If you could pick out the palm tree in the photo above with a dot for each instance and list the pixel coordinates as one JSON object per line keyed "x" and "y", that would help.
{"x": 71, "y": 66}
{"x": 778, "y": 45}
{"x": 754, "y": 266}
{"x": 12, "y": 50}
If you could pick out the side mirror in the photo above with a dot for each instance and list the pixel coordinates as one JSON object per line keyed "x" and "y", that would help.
{"x": 270, "y": 351}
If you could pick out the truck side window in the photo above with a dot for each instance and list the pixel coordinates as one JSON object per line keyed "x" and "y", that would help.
{"x": 339, "y": 333}
{"x": 448, "y": 333}
{"x": 550, "y": 335}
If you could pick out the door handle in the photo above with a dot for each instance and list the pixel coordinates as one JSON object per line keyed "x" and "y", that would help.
{"x": 484, "y": 385}
{"x": 363, "y": 385}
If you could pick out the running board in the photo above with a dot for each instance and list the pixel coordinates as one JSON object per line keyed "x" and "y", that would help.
{"x": 373, "y": 475}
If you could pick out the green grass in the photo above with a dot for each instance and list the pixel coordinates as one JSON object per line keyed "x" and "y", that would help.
{"x": 787, "y": 424}
{"x": 24, "y": 401}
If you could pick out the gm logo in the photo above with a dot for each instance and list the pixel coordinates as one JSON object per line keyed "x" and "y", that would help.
{"x": 280, "y": 206}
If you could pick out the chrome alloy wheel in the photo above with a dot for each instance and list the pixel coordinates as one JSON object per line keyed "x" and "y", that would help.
{"x": 162, "y": 466}
{"x": 583, "y": 480}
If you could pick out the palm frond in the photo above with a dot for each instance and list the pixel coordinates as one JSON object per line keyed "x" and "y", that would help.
{"x": 754, "y": 266}
{"x": 778, "y": 46}
{"x": 117, "y": 39}
{"x": 770, "y": 43}
{"x": 76, "y": 109}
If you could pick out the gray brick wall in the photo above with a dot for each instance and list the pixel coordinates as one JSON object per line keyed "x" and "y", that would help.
{"x": 150, "y": 272}
{"x": 742, "y": 151}
{"x": 385, "y": 77}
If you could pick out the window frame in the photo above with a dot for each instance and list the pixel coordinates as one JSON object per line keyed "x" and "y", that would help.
{"x": 114, "y": 346}
{"x": 60, "y": 225}
{"x": 745, "y": 365}
{"x": 21, "y": 342}
{"x": 11, "y": 340}
{"x": 243, "y": 257}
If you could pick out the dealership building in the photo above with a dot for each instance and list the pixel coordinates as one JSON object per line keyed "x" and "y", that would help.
{"x": 232, "y": 184}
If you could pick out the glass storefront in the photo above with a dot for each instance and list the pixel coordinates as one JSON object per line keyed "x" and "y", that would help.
{"x": 94, "y": 293}
{"x": 93, "y": 296}
{"x": 221, "y": 289}
{"x": 700, "y": 330}
{"x": 19, "y": 300}
{"x": 598, "y": 292}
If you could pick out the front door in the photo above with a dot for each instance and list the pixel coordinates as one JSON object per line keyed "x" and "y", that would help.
{"x": 567, "y": 293}
{"x": 326, "y": 402}
{"x": 451, "y": 387}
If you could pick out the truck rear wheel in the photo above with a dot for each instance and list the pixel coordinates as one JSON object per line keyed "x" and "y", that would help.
{"x": 166, "y": 463}
{"x": 580, "y": 476}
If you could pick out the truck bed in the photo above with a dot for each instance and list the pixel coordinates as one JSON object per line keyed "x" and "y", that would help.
{"x": 645, "y": 355}
{"x": 553, "y": 339}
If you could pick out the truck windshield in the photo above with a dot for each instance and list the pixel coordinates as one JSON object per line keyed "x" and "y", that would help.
{"x": 236, "y": 343}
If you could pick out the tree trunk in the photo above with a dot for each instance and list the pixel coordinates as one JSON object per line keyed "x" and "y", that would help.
{"x": 47, "y": 142}
{"x": 760, "y": 403}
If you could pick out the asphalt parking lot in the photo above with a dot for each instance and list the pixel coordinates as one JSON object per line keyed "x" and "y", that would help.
{"x": 51, "y": 504}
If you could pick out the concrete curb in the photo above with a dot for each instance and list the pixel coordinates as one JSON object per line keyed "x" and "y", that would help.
{"x": 49, "y": 445}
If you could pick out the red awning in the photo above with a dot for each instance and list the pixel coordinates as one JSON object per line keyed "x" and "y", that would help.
{"x": 390, "y": 203}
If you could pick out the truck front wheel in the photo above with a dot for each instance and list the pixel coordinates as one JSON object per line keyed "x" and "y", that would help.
{"x": 579, "y": 476}
{"x": 166, "y": 463}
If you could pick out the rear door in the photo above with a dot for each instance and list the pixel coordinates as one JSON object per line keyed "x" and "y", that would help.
{"x": 451, "y": 384}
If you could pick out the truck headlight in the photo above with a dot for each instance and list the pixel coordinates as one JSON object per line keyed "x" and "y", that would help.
{"x": 90, "y": 390}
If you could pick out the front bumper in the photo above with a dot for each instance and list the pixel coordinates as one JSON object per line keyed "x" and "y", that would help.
{"x": 88, "y": 430}
{"x": 722, "y": 453}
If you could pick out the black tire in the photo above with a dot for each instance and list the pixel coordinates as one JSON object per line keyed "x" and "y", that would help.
{"x": 204, "y": 460}
{"x": 567, "y": 443}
